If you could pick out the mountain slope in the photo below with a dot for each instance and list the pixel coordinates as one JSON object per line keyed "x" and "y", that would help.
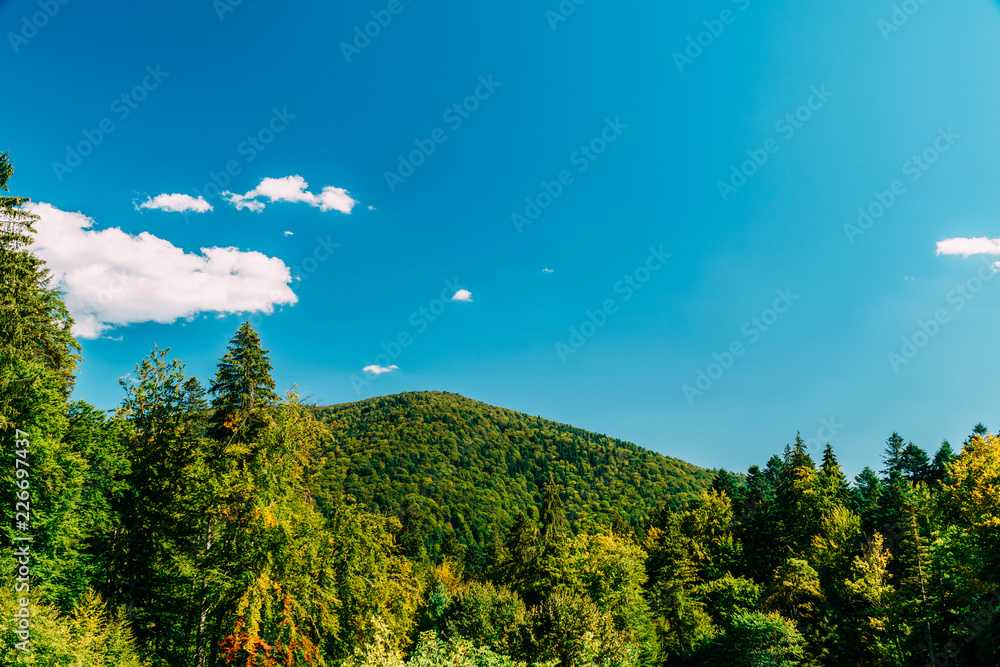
{"x": 462, "y": 467}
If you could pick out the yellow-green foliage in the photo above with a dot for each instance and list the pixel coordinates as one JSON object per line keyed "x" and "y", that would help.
{"x": 90, "y": 636}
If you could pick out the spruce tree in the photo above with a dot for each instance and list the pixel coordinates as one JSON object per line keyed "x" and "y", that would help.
{"x": 914, "y": 464}
{"x": 553, "y": 518}
{"x": 726, "y": 483}
{"x": 893, "y": 457}
{"x": 243, "y": 387}
{"x": 34, "y": 322}
{"x": 939, "y": 467}
{"x": 832, "y": 477}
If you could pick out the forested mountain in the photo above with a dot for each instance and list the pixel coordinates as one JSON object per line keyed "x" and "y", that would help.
{"x": 455, "y": 469}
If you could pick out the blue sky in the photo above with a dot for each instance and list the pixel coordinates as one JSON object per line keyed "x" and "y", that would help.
{"x": 620, "y": 123}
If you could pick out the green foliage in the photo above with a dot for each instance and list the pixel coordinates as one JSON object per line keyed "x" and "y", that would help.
{"x": 472, "y": 467}
{"x": 488, "y": 615}
{"x": 753, "y": 639}
{"x": 90, "y": 634}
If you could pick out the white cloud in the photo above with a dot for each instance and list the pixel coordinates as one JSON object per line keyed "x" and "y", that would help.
{"x": 546, "y": 270}
{"x": 378, "y": 370}
{"x": 110, "y": 278}
{"x": 176, "y": 203}
{"x": 966, "y": 247}
{"x": 288, "y": 233}
{"x": 292, "y": 189}
{"x": 371, "y": 208}
{"x": 462, "y": 295}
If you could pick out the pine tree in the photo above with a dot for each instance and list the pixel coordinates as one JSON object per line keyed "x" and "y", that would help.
{"x": 242, "y": 389}
{"x": 799, "y": 505}
{"x": 726, "y": 483}
{"x": 939, "y": 467}
{"x": 521, "y": 550}
{"x": 892, "y": 457}
{"x": 34, "y": 322}
{"x": 914, "y": 464}
{"x": 832, "y": 477}
{"x": 553, "y": 517}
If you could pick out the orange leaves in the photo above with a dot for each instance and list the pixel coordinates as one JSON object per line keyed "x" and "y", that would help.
{"x": 266, "y": 632}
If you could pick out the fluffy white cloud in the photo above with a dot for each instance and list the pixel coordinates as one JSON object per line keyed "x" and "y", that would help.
{"x": 110, "y": 278}
{"x": 546, "y": 270}
{"x": 378, "y": 370}
{"x": 176, "y": 203}
{"x": 289, "y": 233}
{"x": 292, "y": 189}
{"x": 966, "y": 247}
{"x": 462, "y": 295}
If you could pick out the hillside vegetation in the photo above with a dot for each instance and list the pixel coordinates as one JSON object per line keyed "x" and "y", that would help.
{"x": 467, "y": 468}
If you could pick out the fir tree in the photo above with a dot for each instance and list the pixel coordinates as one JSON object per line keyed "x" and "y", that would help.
{"x": 939, "y": 467}
{"x": 892, "y": 456}
{"x": 34, "y": 322}
{"x": 242, "y": 388}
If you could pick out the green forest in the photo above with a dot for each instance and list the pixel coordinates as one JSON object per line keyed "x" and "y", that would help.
{"x": 214, "y": 522}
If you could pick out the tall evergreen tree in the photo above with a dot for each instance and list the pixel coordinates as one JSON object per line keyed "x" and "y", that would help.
{"x": 832, "y": 477}
{"x": 939, "y": 466}
{"x": 242, "y": 389}
{"x": 725, "y": 482}
{"x": 35, "y": 324}
{"x": 914, "y": 464}
{"x": 553, "y": 516}
{"x": 892, "y": 456}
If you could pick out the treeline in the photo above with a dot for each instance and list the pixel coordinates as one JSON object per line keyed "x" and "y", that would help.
{"x": 223, "y": 525}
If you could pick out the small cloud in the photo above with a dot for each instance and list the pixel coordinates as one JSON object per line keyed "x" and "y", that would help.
{"x": 462, "y": 295}
{"x": 371, "y": 208}
{"x": 379, "y": 370}
{"x": 546, "y": 270}
{"x": 292, "y": 189}
{"x": 908, "y": 278}
{"x": 966, "y": 247}
{"x": 288, "y": 233}
{"x": 176, "y": 203}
